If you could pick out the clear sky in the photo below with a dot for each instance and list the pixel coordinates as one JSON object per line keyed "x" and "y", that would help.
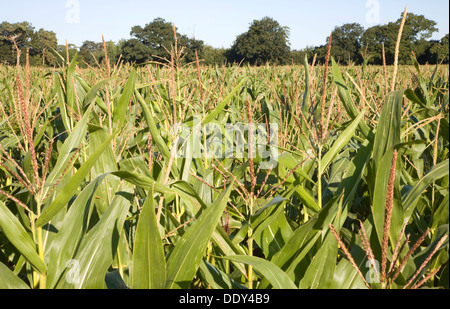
{"x": 216, "y": 22}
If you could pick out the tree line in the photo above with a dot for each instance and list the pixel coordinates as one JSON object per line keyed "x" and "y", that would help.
{"x": 266, "y": 41}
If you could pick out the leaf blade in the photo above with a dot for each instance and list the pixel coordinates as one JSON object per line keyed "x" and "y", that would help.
{"x": 149, "y": 263}
{"x": 20, "y": 239}
{"x": 66, "y": 194}
{"x": 277, "y": 277}
{"x": 185, "y": 259}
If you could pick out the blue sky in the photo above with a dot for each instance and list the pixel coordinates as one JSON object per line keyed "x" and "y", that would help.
{"x": 216, "y": 22}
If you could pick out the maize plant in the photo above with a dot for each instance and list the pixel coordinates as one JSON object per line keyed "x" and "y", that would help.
{"x": 162, "y": 176}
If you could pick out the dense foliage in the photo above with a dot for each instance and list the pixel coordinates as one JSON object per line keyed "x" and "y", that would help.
{"x": 93, "y": 196}
{"x": 266, "y": 41}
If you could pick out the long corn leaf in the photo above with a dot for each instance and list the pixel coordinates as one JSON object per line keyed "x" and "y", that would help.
{"x": 20, "y": 239}
{"x": 149, "y": 263}
{"x": 71, "y": 186}
{"x": 185, "y": 259}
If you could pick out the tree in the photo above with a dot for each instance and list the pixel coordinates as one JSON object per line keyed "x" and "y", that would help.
{"x": 345, "y": 43}
{"x": 440, "y": 50}
{"x": 42, "y": 44}
{"x": 213, "y": 56}
{"x": 192, "y": 45}
{"x": 13, "y": 37}
{"x": 134, "y": 50}
{"x": 416, "y": 32}
{"x": 422, "y": 51}
{"x": 298, "y": 56}
{"x": 90, "y": 52}
{"x": 23, "y": 37}
{"x": 93, "y": 52}
{"x": 155, "y": 36}
{"x": 265, "y": 41}
{"x": 66, "y": 50}
{"x": 112, "y": 52}
{"x": 417, "y": 28}
{"x": 158, "y": 37}
{"x": 373, "y": 40}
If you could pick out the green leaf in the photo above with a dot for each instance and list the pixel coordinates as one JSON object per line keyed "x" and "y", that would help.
{"x": 19, "y": 238}
{"x": 143, "y": 181}
{"x": 149, "y": 264}
{"x": 301, "y": 242}
{"x": 59, "y": 93}
{"x": 441, "y": 214}
{"x": 67, "y": 150}
{"x": 307, "y": 199}
{"x": 344, "y": 95}
{"x": 353, "y": 175}
{"x": 340, "y": 142}
{"x": 346, "y": 277}
{"x": 303, "y": 237}
{"x": 387, "y": 137}
{"x": 67, "y": 240}
{"x": 155, "y": 132}
{"x": 290, "y": 162}
{"x": 305, "y": 103}
{"x": 216, "y": 111}
{"x": 99, "y": 246}
{"x": 410, "y": 202}
{"x": 226, "y": 247}
{"x": 423, "y": 254}
{"x": 92, "y": 93}
{"x": 104, "y": 164}
{"x": 70, "y": 92}
{"x": 320, "y": 271}
{"x": 8, "y": 280}
{"x": 71, "y": 186}
{"x": 121, "y": 107}
{"x": 186, "y": 257}
{"x": 275, "y": 275}
{"x": 216, "y": 278}
{"x": 273, "y": 232}
{"x": 388, "y": 129}
{"x": 219, "y": 237}
{"x": 379, "y": 194}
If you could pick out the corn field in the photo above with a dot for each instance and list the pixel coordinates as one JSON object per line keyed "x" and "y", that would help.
{"x": 93, "y": 194}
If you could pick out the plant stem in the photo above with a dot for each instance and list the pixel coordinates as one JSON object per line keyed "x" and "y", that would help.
{"x": 42, "y": 277}
{"x": 119, "y": 263}
{"x": 33, "y": 231}
{"x": 319, "y": 178}
{"x": 250, "y": 243}
{"x": 397, "y": 48}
